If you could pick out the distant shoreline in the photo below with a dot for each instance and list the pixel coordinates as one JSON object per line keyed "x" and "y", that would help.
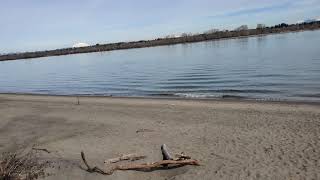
{"x": 282, "y": 28}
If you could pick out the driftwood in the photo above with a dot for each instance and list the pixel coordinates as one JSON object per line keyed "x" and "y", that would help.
{"x": 130, "y": 157}
{"x": 94, "y": 169}
{"x": 181, "y": 156}
{"x": 41, "y": 149}
{"x": 165, "y": 153}
{"x": 181, "y": 160}
{"x": 156, "y": 165}
{"x": 78, "y": 101}
{"x": 144, "y": 130}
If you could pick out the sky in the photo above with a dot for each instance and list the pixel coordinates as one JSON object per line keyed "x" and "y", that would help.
{"x": 29, "y": 25}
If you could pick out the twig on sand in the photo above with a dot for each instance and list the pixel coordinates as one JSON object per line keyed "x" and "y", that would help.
{"x": 78, "y": 100}
{"x": 181, "y": 160}
{"x": 41, "y": 149}
{"x": 144, "y": 130}
{"x": 130, "y": 157}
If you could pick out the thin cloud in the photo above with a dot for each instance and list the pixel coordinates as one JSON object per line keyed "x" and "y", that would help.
{"x": 272, "y": 8}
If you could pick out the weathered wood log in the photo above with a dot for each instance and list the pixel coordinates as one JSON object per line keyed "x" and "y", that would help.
{"x": 155, "y": 165}
{"x": 144, "y": 130}
{"x": 181, "y": 156}
{"x": 94, "y": 169}
{"x": 181, "y": 160}
{"x": 130, "y": 157}
{"x": 165, "y": 153}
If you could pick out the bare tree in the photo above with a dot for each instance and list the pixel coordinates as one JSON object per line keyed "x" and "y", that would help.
{"x": 242, "y": 28}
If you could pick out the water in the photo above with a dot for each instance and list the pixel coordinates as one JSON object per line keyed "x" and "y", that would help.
{"x": 274, "y": 67}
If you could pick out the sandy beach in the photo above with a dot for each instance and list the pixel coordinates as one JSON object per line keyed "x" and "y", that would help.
{"x": 231, "y": 139}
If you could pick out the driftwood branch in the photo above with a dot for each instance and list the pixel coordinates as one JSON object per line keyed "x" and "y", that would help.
{"x": 181, "y": 156}
{"x": 78, "y": 100}
{"x": 41, "y": 149}
{"x": 94, "y": 169}
{"x": 156, "y": 165}
{"x": 165, "y": 153}
{"x": 144, "y": 130}
{"x": 130, "y": 157}
{"x": 168, "y": 162}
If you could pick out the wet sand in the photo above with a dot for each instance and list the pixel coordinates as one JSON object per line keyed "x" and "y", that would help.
{"x": 231, "y": 139}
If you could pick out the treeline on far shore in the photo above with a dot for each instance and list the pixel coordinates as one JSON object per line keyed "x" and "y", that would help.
{"x": 280, "y": 28}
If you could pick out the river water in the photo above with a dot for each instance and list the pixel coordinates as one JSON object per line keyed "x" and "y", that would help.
{"x": 273, "y": 67}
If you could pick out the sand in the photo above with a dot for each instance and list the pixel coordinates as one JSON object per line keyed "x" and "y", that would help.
{"x": 231, "y": 139}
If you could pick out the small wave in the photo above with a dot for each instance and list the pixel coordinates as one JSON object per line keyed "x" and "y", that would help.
{"x": 308, "y": 95}
{"x": 190, "y": 78}
{"x": 199, "y": 95}
{"x": 43, "y": 91}
{"x": 183, "y": 87}
{"x": 270, "y": 75}
{"x": 202, "y": 82}
{"x": 164, "y": 94}
{"x": 193, "y": 75}
{"x": 233, "y": 97}
{"x": 245, "y": 91}
{"x": 195, "y": 95}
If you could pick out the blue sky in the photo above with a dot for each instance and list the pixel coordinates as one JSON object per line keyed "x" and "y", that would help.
{"x": 28, "y": 25}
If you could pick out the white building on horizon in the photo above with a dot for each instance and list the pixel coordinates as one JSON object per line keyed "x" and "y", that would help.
{"x": 80, "y": 44}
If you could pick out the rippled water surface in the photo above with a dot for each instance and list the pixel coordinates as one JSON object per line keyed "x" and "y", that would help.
{"x": 274, "y": 67}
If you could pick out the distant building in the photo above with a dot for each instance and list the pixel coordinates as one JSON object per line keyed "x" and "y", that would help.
{"x": 261, "y": 26}
{"x": 242, "y": 28}
{"x": 185, "y": 34}
{"x": 299, "y": 22}
{"x": 77, "y": 45}
{"x": 173, "y": 36}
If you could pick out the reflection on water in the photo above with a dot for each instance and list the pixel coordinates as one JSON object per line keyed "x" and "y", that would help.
{"x": 283, "y": 66}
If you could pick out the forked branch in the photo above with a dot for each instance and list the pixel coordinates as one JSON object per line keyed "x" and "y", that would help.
{"x": 168, "y": 162}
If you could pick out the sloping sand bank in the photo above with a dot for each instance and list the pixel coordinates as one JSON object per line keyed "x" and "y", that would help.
{"x": 232, "y": 139}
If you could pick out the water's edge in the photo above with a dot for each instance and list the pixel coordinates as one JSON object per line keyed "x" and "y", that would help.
{"x": 156, "y": 98}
